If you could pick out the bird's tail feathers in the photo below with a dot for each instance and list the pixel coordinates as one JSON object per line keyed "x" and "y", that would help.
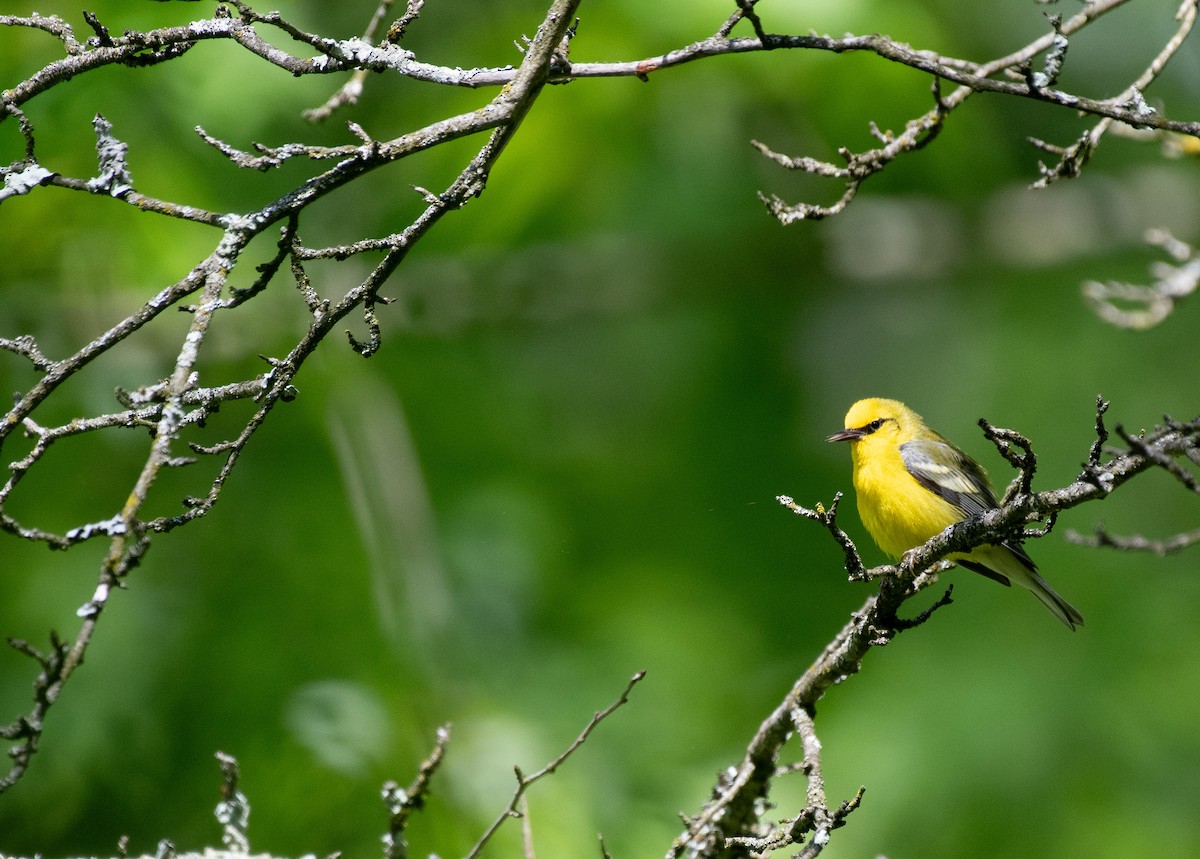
{"x": 1010, "y": 565}
{"x": 1062, "y": 609}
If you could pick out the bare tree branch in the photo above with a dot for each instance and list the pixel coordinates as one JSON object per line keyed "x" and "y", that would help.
{"x": 524, "y": 782}
{"x": 179, "y": 401}
{"x": 727, "y": 826}
{"x": 730, "y": 823}
{"x": 1128, "y": 305}
{"x": 1102, "y": 539}
{"x": 1127, "y": 107}
{"x": 402, "y": 803}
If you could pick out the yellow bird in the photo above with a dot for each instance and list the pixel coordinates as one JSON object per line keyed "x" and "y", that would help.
{"x": 912, "y": 484}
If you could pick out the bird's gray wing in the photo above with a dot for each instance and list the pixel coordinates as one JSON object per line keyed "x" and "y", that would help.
{"x": 957, "y": 479}
{"x": 950, "y": 474}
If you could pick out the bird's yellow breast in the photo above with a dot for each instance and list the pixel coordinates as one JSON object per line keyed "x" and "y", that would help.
{"x": 899, "y": 512}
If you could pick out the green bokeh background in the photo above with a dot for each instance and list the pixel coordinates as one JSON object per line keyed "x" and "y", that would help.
{"x": 561, "y": 467}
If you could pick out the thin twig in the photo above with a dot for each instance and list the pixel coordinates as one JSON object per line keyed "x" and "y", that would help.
{"x": 403, "y": 803}
{"x": 524, "y": 782}
{"x": 1100, "y": 538}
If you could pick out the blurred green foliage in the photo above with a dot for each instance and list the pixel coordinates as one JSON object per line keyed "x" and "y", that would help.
{"x": 561, "y": 467}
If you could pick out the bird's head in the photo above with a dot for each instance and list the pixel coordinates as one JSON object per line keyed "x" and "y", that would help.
{"x": 881, "y": 421}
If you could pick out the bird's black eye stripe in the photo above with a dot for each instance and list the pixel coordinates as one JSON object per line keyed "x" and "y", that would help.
{"x": 874, "y": 425}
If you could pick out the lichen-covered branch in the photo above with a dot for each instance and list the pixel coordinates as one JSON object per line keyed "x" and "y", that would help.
{"x": 185, "y": 398}
{"x": 1137, "y": 306}
{"x": 1128, "y": 107}
{"x": 169, "y": 405}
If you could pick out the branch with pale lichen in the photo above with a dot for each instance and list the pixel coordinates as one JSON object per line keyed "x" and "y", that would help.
{"x": 1135, "y": 306}
{"x": 402, "y": 803}
{"x": 1100, "y": 538}
{"x": 360, "y": 56}
{"x": 233, "y": 811}
{"x": 1128, "y": 107}
{"x": 170, "y": 405}
{"x": 1071, "y": 159}
{"x": 730, "y": 824}
{"x": 179, "y": 401}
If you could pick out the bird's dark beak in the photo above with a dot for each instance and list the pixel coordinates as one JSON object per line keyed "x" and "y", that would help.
{"x": 847, "y": 435}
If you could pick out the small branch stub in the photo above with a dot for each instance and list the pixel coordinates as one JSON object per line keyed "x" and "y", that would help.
{"x": 233, "y": 811}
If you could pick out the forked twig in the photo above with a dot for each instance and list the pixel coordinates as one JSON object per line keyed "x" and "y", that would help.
{"x": 524, "y": 782}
